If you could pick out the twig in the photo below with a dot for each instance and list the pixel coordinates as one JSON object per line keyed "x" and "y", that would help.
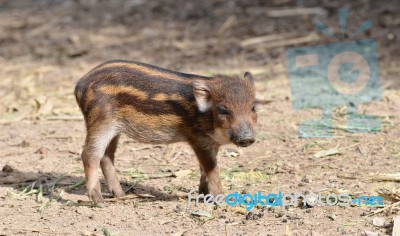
{"x": 164, "y": 164}
{"x": 140, "y": 148}
{"x": 229, "y": 22}
{"x": 62, "y": 137}
{"x": 169, "y": 152}
{"x": 348, "y": 147}
{"x": 266, "y": 38}
{"x": 263, "y": 101}
{"x": 292, "y": 41}
{"x": 160, "y": 175}
{"x": 64, "y": 118}
{"x": 176, "y": 155}
{"x": 127, "y": 197}
{"x": 386, "y": 177}
{"x": 38, "y": 231}
{"x": 383, "y": 209}
{"x": 285, "y": 12}
{"x": 12, "y": 154}
{"x": 346, "y": 177}
{"x": 130, "y": 196}
{"x": 256, "y": 71}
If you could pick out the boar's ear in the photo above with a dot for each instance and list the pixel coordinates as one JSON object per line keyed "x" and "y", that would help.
{"x": 249, "y": 77}
{"x": 202, "y": 95}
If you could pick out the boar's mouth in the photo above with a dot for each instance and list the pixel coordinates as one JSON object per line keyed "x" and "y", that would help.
{"x": 244, "y": 142}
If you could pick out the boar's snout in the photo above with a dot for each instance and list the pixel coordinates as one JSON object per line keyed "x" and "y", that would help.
{"x": 244, "y": 136}
{"x": 245, "y": 142}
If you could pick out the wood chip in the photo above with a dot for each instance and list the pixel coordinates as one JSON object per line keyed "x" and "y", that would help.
{"x": 201, "y": 213}
{"x": 378, "y": 221}
{"x": 396, "y": 226}
{"x": 329, "y": 152}
{"x": 182, "y": 173}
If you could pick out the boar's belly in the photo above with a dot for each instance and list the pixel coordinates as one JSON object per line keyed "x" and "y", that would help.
{"x": 144, "y": 134}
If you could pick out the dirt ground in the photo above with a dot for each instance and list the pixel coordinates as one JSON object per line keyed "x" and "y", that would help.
{"x": 46, "y": 46}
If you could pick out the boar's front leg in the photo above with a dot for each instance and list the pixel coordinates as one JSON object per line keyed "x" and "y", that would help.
{"x": 209, "y": 181}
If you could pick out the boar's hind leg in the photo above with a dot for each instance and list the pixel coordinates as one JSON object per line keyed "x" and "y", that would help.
{"x": 107, "y": 166}
{"x": 209, "y": 181}
{"x": 97, "y": 140}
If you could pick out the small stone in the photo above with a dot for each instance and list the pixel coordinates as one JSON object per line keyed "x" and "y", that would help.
{"x": 370, "y": 233}
{"x": 313, "y": 233}
{"x": 378, "y": 221}
{"x": 229, "y": 221}
{"x": 87, "y": 233}
{"x": 178, "y": 208}
{"x": 79, "y": 211}
{"x": 24, "y": 144}
{"x": 306, "y": 179}
{"x": 202, "y": 213}
{"x": 271, "y": 209}
{"x": 230, "y": 152}
{"x": 364, "y": 214}
{"x": 292, "y": 217}
{"x": 249, "y": 216}
{"x": 42, "y": 151}
{"x": 280, "y": 214}
{"x": 7, "y": 169}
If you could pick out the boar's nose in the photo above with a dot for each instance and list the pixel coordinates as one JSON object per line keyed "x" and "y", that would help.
{"x": 245, "y": 142}
{"x": 245, "y": 136}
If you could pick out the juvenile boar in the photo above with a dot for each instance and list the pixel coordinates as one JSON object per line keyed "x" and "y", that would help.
{"x": 155, "y": 105}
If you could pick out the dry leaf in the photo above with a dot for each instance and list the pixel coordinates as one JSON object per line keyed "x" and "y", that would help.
{"x": 44, "y": 105}
{"x": 329, "y": 152}
{"x": 229, "y": 152}
{"x": 202, "y": 213}
{"x": 182, "y": 173}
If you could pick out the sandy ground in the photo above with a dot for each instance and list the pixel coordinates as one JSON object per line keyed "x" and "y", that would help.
{"x": 46, "y": 46}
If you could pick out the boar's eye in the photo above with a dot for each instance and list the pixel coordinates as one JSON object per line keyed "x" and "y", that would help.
{"x": 254, "y": 108}
{"x": 222, "y": 110}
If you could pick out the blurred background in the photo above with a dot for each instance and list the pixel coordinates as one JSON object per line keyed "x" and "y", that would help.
{"x": 46, "y": 46}
{"x": 50, "y": 44}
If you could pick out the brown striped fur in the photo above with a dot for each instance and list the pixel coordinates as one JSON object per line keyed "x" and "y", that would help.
{"x": 155, "y": 105}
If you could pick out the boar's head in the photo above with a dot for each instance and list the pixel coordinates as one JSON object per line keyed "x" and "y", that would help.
{"x": 232, "y": 103}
